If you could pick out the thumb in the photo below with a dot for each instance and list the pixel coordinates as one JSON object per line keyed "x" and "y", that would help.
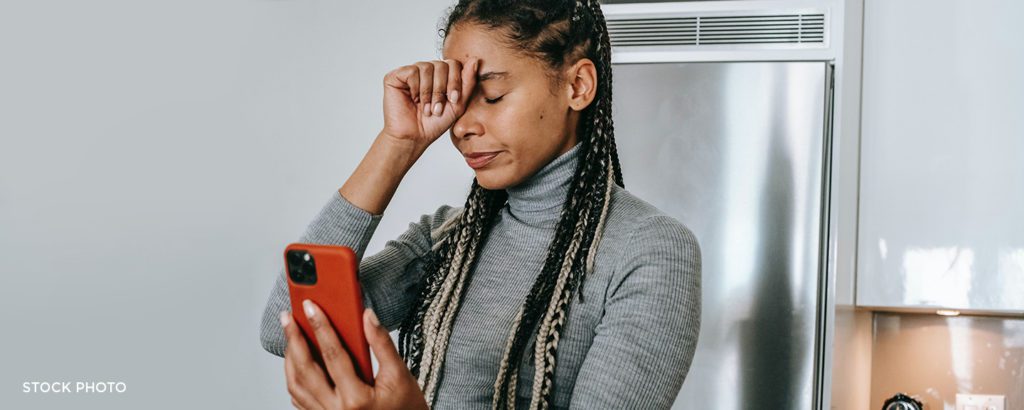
{"x": 380, "y": 342}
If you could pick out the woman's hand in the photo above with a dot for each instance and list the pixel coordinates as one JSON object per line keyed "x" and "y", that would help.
{"x": 394, "y": 386}
{"x": 423, "y": 100}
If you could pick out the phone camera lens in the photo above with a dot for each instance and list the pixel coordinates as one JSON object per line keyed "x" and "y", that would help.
{"x": 301, "y": 267}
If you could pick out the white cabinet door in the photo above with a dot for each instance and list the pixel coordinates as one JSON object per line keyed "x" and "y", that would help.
{"x": 942, "y": 160}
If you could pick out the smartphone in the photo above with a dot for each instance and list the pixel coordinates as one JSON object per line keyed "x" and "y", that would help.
{"x": 327, "y": 275}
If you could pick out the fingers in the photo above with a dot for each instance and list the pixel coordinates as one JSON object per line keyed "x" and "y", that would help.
{"x": 434, "y": 84}
{"x": 426, "y": 86}
{"x": 296, "y": 343}
{"x": 413, "y": 79}
{"x": 381, "y": 344}
{"x": 301, "y": 399}
{"x": 405, "y": 78}
{"x": 468, "y": 80}
{"x": 306, "y": 382}
{"x": 440, "y": 87}
{"x": 336, "y": 359}
{"x": 454, "y": 80}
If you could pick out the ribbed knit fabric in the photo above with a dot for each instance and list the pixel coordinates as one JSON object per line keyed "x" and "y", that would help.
{"x": 629, "y": 344}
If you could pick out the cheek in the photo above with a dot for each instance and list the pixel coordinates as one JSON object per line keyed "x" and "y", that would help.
{"x": 530, "y": 133}
{"x": 549, "y": 119}
{"x": 527, "y": 132}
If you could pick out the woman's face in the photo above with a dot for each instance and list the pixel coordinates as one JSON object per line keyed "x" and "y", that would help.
{"x": 513, "y": 112}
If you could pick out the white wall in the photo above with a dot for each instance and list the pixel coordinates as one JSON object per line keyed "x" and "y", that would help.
{"x": 155, "y": 159}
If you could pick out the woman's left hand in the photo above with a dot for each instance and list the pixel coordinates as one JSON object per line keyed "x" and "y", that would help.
{"x": 394, "y": 386}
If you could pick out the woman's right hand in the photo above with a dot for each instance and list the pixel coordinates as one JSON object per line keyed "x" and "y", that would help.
{"x": 442, "y": 86}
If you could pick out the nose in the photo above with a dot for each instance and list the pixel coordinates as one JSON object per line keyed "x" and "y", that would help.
{"x": 469, "y": 123}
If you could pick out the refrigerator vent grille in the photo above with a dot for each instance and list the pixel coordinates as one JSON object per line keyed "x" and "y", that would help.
{"x": 714, "y": 30}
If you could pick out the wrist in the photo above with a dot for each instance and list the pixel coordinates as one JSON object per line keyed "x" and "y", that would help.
{"x": 403, "y": 146}
{"x": 402, "y": 151}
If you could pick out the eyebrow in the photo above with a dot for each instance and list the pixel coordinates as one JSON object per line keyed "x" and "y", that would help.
{"x": 494, "y": 75}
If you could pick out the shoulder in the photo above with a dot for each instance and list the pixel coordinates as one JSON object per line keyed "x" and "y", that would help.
{"x": 655, "y": 253}
{"x": 442, "y": 214}
{"x": 425, "y": 230}
{"x": 643, "y": 228}
{"x": 440, "y": 220}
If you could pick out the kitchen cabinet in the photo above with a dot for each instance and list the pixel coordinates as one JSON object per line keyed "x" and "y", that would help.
{"x": 942, "y": 156}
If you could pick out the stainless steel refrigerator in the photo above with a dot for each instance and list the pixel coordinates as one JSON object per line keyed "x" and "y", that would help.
{"x": 723, "y": 114}
{"x": 736, "y": 151}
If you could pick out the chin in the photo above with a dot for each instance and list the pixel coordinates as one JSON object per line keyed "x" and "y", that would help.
{"x": 493, "y": 179}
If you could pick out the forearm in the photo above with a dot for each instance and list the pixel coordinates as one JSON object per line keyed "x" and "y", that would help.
{"x": 374, "y": 181}
{"x": 349, "y": 219}
{"x": 338, "y": 223}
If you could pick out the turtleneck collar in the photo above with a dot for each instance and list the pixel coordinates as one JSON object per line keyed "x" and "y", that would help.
{"x": 541, "y": 196}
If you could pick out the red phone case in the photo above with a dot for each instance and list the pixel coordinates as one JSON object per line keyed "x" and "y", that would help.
{"x": 338, "y": 295}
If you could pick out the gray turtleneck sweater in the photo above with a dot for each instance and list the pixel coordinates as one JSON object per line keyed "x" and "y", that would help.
{"x": 630, "y": 342}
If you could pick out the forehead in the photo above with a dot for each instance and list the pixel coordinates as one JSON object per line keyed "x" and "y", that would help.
{"x": 467, "y": 41}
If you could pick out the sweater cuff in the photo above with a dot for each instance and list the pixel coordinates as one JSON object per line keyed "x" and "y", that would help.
{"x": 340, "y": 222}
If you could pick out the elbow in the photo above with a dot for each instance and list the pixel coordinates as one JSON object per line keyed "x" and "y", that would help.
{"x": 271, "y": 335}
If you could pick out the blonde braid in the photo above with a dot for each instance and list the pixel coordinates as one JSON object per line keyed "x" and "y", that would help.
{"x": 438, "y": 304}
{"x": 449, "y": 314}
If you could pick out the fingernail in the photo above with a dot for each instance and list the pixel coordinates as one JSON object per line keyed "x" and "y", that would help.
{"x": 454, "y": 96}
{"x": 426, "y": 108}
{"x": 438, "y": 108}
{"x": 373, "y": 318}
{"x": 284, "y": 317}
{"x": 307, "y": 306}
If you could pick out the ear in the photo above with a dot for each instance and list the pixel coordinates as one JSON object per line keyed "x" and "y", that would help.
{"x": 582, "y": 81}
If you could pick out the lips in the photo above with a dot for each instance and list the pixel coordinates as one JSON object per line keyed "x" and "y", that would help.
{"x": 478, "y": 160}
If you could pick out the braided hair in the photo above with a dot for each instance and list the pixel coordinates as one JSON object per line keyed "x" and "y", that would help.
{"x": 557, "y": 32}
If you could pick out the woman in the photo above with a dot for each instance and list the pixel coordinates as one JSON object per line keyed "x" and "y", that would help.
{"x": 552, "y": 286}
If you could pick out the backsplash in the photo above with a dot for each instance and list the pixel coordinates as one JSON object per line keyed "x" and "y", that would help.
{"x": 934, "y": 357}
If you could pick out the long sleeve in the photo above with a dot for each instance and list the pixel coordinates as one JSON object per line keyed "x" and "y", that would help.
{"x": 388, "y": 278}
{"x": 646, "y": 339}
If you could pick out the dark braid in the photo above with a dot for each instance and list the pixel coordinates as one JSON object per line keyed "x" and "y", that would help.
{"x": 557, "y": 33}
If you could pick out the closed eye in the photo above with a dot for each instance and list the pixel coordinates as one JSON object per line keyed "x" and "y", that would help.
{"x": 494, "y": 101}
